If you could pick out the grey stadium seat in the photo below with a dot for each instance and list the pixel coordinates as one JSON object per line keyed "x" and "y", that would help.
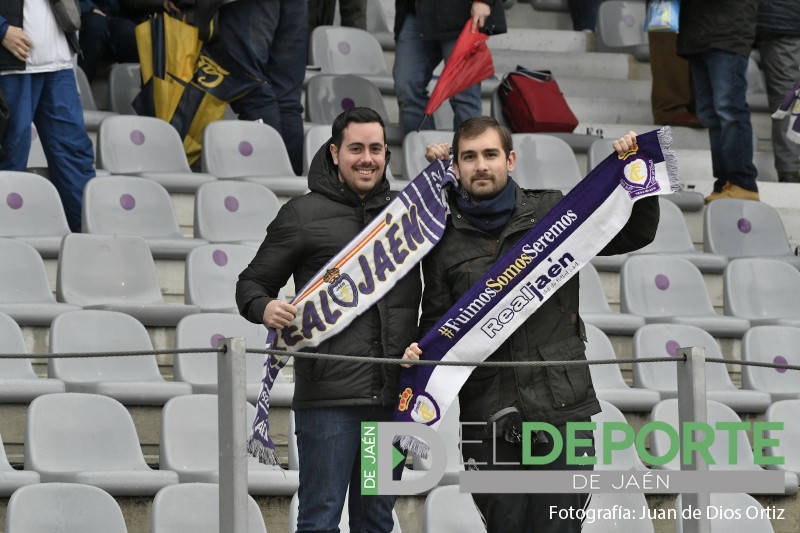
{"x": 35, "y": 213}
{"x": 234, "y": 212}
{"x": 342, "y": 50}
{"x": 763, "y": 291}
{"x": 124, "y": 83}
{"x": 545, "y": 162}
{"x": 450, "y": 431}
{"x": 89, "y": 439}
{"x": 25, "y": 292}
{"x": 666, "y": 289}
{"x": 378, "y": 25}
{"x": 414, "y": 149}
{"x": 37, "y": 161}
{"x": 63, "y": 507}
{"x": 121, "y": 276}
{"x": 200, "y": 370}
{"x": 777, "y": 345}
{"x": 189, "y": 445}
{"x": 788, "y": 438}
{"x": 686, "y": 200}
{"x": 620, "y": 28}
{"x": 667, "y": 411}
{"x": 621, "y": 459}
{"x": 447, "y": 510}
{"x": 194, "y": 508}
{"x": 250, "y": 151}
{"x": 609, "y": 385}
{"x": 18, "y": 382}
{"x": 11, "y": 479}
{"x": 328, "y": 95}
{"x": 742, "y": 228}
{"x": 124, "y": 205}
{"x": 661, "y": 340}
{"x": 91, "y": 116}
{"x": 147, "y": 147}
{"x": 595, "y": 310}
{"x": 212, "y": 271}
{"x": 314, "y": 137}
{"x": 723, "y": 523}
{"x": 134, "y": 380}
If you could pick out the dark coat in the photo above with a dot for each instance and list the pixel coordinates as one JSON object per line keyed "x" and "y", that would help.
{"x": 444, "y": 19}
{"x": 778, "y": 18}
{"x": 307, "y": 232}
{"x": 728, "y": 25}
{"x": 554, "y": 332}
{"x": 11, "y": 12}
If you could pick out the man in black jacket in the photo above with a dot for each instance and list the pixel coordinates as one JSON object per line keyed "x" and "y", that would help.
{"x": 485, "y": 222}
{"x": 348, "y": 189}
{"x": 426, "y": 32}
{"x": 716, "y": 37}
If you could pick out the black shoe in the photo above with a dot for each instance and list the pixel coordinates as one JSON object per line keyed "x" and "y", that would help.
{"x": 789, "y": 177}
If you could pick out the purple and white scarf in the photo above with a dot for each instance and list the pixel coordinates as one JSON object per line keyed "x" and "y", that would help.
{"x": 548, "y": 255}
{"x": 791, "y": 107}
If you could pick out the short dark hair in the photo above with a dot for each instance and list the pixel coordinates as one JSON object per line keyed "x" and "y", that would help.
{"x": 359, "y": 115}
{"x": 471, "y": 128}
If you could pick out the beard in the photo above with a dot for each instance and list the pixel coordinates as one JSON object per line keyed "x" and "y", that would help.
{"x": 484, "y": 192}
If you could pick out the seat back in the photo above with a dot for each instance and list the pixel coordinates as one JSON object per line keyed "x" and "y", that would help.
{"x": 189, "y": 437}
{"x": 743, "y": 228}
{"x": 84, "y": 90}
{"x": 120, "y": 269}
{"x": 414, "y": 145}
{"x": 672, "y": 234}
{"x": 625, "y": 459}
{"x": 327, "y": 96}
{"x": 207, "y": 330}
{"x": 788, "y": 438}
{"x": 620, "y": 26}
{"x": 545, "y": 162}
{"x": 598, "y": 151}
{"x": 449, "y": 511}
{"x": 230, "y": 211}
{"x": 36, "y": 158}
{"x": 131, "y": 144}
{"x": 659, "y": 285}
{"x": 124, "y": 83}
{"x": 122, "y": 205}
{"x": 63, "y": 507}
{"x": 343, "y": 50}
{"x": 212, "y": 271}
{"x": 23, "y": 278}
{"x": 194, "y": 508}
{"x": 771, "y": 344}
{"x": 238, "y": 148}
{"x": 727, "y": 520}
{"x": 598, "y": 346}
{"x": 592, "y": 296}
{"x": 450, "y": 431}
{"x": 31, "y": 206}
{"x": 100, "y": 331}
{"x": 13, "y": 342}
{"x": 664, "y": 340}
{"x": 69, "y": 432}
{"x": 761, "y": 288}
{"x": 719, "y": 449}
{"x": 315, "y": 137}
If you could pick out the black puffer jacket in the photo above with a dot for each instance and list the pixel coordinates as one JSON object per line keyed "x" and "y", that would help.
{"x": 778, "y": 18}
{"x": 444, "y": 19}
{"x": 307, "y": 232}
{"x": 728, "y": 25}
{"x": 554, "y": 332}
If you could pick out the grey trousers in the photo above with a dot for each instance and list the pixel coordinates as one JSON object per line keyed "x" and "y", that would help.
{"x": 780, "y": 59}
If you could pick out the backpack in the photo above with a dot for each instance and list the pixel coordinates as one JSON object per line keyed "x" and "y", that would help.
{"x": 533, "y": 103}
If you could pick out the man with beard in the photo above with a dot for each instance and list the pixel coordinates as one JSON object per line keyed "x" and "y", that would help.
{"x": 488, "y": 216}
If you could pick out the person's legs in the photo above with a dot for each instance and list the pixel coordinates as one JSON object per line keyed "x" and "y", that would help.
{"x": 584, "y": 14}
{"x": 704, "y": 107}
{"x": 328, "y": 441}
{"x": 466, "y": 104}
{"x": 780, "y": 59}
{"x": 728, "y": 75}
{"x": 671, "y": 94}
{"x": 22, "y": 94}
{"x": 93, "y": 37}
{"x": 122, "y": 41}
{"x": 70, "y": 156}
{"x": 354, "y": 13}
{"x": 414, "y": 62}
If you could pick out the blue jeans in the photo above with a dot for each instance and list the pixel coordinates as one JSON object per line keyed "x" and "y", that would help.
{"x": 414, "y": 63}
{"x": 584, "y": 14}
{"x": 50, "y": 100}
{"x": 267, "y": 39}
{"x": 720, "y": 88}
{"x": 328, "y": 445}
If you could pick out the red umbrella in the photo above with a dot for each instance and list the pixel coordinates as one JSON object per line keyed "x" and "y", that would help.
{"x": 469, "y": 63}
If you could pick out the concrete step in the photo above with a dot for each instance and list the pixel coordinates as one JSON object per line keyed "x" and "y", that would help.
{"x": 575, "y": 65}
{"x": 546, "y": 40}
{"x": 522, "y": 15}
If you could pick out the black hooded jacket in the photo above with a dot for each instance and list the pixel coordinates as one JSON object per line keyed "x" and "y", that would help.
{"x": 306, "y": 233}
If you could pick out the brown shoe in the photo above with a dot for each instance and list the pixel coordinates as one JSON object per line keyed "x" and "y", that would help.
{"x": 729, "y": 190}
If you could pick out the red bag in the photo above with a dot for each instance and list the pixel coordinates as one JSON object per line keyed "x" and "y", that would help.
{"x": 533, "y": 103}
